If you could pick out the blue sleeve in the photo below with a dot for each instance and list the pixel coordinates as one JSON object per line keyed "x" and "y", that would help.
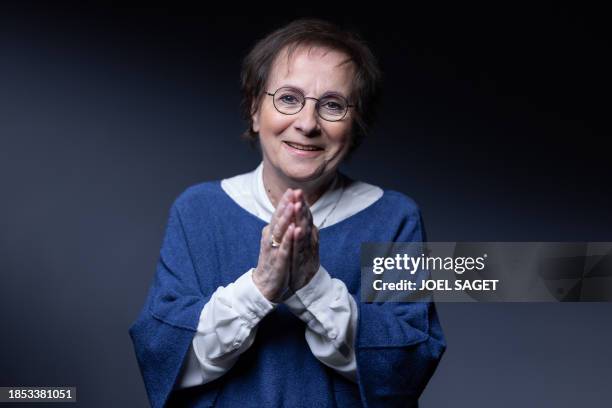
{"x": 167, "y": 323}
{"x": 398, "y": 345}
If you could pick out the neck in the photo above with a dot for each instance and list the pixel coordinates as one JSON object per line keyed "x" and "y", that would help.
{"x": 276, "y": 184}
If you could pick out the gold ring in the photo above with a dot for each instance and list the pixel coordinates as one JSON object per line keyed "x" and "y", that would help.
{"x": 273, "y": 242}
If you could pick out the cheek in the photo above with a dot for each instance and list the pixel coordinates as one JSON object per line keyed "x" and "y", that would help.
{"x": 272, "y": 123}
{"x": 339, "y": 135}
{"x": 271, "y": 126}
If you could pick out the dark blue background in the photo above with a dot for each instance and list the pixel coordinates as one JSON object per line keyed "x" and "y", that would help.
{"x": 495, "y": 121}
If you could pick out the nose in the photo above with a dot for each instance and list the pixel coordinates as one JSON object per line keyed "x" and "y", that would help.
{"x": 307, "y": 120}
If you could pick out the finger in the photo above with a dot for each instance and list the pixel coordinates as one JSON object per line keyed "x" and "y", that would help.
{"x": 303, "y": 224}
{"x": 297, "y": 216}
{"x": 294, "y": 250}
{"x": 297, "y": 234}
{"x": 302, "y": 205}
{"x": 283, "y": 222}
{"x": 297, "y": 257}
{"x": 284, "y": 200}
{"x": 264, "y": 233}
{"x": 280, "y": 208}
{"x": 288, "y": 195}
{"x": 286, "y": 247}
{"x": 303, "y": 218}
{"x": 305, "y": 209}
{"x": 265, "y": 240}
{"x": 292, "y": 196}
{"x": 298, "y": 194}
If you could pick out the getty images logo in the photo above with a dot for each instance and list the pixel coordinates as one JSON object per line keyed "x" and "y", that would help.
{"x": 411, "y": 264}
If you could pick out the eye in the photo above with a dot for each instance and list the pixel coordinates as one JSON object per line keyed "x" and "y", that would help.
{"x": 333, "y": 106}
{"x": 289, "y": 99}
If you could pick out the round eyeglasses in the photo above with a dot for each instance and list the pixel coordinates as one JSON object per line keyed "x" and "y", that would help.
{"x": 290, "y": 101}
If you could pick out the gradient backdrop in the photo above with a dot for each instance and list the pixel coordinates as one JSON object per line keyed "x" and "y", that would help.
{"x": 495, "y": 120}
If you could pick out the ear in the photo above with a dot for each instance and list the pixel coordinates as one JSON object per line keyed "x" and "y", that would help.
{"x": 255, "y": 116}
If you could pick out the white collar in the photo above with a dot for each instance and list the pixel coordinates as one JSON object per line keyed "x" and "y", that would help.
{"x": 335, "y": 205}
{"x": 320, "y": 210}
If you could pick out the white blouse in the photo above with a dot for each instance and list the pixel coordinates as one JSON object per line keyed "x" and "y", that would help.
{"x": 228, "y": 322}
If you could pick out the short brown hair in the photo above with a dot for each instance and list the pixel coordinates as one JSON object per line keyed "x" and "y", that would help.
{"x": 257, "y": 65}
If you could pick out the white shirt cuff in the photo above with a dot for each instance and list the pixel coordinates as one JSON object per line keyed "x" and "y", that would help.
{"x": 229, "y": 317}
{"x": 249, "y": 302}
{"x": 227, "y": 327}
{"x": 295, "y": 302}
{"x": 310, "y": 303}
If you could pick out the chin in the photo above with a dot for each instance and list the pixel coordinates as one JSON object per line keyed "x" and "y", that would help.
{"x": 303, "y": 173}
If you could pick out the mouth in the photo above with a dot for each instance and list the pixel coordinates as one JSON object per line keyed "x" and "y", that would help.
{"x": 307, "y": 148}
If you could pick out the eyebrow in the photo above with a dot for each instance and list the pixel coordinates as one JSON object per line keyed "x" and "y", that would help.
{"x": 297, "y": 88}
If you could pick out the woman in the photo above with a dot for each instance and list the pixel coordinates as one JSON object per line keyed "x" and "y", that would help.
{"x": 256, "y": 299}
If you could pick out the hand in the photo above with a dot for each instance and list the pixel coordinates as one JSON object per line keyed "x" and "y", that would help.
{"x": 305, "y": 252}
{"x": 273, "y": 267}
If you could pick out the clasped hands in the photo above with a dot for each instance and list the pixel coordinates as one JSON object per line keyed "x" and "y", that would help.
{"x": 284, "y": 269}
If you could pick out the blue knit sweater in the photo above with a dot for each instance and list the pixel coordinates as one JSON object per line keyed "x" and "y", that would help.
{"x": 210, "y": 241}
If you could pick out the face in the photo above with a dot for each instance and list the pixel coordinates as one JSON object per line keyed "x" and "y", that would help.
{"x": 316, "y": 72}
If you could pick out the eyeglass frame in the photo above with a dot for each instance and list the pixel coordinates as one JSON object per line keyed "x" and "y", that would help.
{"x": 304, "y": 103}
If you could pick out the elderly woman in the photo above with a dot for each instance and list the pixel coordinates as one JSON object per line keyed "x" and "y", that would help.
{"x": 256, "y": 299}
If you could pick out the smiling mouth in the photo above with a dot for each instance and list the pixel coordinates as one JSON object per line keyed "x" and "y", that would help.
{"x": 303, "y": 147}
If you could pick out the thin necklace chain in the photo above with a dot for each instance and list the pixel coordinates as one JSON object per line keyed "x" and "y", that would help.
{"x": 335, "y": 204}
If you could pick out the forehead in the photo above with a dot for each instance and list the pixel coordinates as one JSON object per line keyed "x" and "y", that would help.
{"x": 314, "y": 69}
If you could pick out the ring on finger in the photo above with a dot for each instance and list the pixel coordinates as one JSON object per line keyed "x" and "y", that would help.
{"x": 273, "y": 242}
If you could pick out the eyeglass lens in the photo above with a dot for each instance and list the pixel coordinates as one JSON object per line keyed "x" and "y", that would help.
{"x": 290, "y": 101}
